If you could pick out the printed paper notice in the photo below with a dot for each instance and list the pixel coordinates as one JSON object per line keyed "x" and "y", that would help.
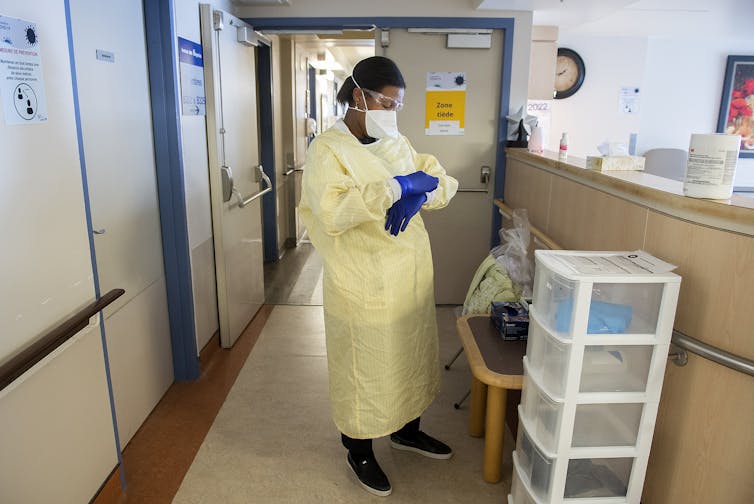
{"x": 628, "y": 100}
{"x": 633, "y": 263}
{"x": 192, "y": 77}
{"x": 445, "y": 103}
{"x": 22, "y": 89}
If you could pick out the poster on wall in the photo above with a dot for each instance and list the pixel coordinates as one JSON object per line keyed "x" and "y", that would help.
{"x": 445, "y": 103}
{"x": 191, "y": 62}
{"x": 21, "y": 81}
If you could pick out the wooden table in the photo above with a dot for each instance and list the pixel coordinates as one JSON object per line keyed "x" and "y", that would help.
{"x": 496, "y": 367}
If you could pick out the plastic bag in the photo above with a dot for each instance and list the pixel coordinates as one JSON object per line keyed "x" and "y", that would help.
{"x": 513, "y": 252}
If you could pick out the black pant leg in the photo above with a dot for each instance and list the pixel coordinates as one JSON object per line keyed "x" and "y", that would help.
{"x": 357, "y": 447}
{"x": 410, "y": 430}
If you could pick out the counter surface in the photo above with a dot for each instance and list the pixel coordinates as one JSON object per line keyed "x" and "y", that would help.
{"x": 658, "y": 193}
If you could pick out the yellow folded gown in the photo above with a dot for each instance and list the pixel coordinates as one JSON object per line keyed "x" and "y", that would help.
{"x": 381, "y": 331}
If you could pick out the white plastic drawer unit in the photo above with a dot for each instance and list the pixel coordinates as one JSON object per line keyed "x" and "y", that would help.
{"x": 535, "y": 467}
{"x": 605, "y": 368}
{"x": 585, "y": 477}
{"x": 616, "y": 304}
{"x": 541, "y": 414}
{"x": 595, "y": 425}
{"x": 519, "y": 494}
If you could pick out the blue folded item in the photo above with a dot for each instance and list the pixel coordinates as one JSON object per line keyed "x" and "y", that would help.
{"x": 604, "y": 318}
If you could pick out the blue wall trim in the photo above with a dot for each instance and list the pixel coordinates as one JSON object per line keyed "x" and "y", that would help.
{"x": 166, "y": 125}
{"x": 92, "y": 250}
{"x": 267, "y": 154}
{"x": 505, "y": 24}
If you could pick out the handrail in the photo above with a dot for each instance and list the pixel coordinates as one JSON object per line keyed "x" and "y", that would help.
{"x": 43, "y": 347}
{"x": 508, "y": 212}
{"x": 727, "y": 359}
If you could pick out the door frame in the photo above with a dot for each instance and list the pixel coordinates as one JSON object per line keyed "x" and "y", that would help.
{"x": 344, "y": 23}
{"x": 164, "y": 82}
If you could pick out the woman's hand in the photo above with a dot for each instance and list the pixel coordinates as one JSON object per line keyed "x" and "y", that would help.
{"x": 402, "y": 211}
{"x": 417, "y": 183}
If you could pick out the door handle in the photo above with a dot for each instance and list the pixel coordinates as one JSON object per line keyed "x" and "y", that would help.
{"x": 242, "y": 202}
{"x": 484, "y": 177}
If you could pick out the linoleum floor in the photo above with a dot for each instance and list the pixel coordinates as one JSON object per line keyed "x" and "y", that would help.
{"x": 272, "y": 440}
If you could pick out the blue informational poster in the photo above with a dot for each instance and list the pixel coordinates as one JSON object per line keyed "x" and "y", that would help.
{"x": 191, "y": 62}
{"x": 22, "y": 90}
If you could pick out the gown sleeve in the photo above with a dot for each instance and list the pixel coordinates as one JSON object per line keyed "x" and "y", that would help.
{"x": 335, "y": 199}
{"x": 447, "y": 186}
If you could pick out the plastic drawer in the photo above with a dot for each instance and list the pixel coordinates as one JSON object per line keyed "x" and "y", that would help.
{"x": 606, "y": 477}
{"x": 536, "y": 468}
{"x": 615, "y": 307}
{"x": 548, "y": 358}
{"x": 552, "y": 291}
{"x": 607, "y": 424}
{"x": 519, "y": 494}
{"x": 619, "y": 368}
{"x": 541, "y": 414}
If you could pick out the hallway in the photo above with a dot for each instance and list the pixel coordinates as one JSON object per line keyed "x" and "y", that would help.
{"x": 272, "y": 439}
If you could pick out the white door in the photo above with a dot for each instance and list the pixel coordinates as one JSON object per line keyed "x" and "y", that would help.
{"x": 468, "y": 219}
{"x": 236, "y": 174}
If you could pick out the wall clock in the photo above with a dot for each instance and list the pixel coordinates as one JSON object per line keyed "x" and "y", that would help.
{"x": 569, "y": 73}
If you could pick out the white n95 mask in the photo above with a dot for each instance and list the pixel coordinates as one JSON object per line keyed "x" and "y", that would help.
{"x": 382, "y": 123}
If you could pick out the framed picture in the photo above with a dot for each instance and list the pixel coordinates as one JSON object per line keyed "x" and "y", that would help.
{"x": 738, "y": 102}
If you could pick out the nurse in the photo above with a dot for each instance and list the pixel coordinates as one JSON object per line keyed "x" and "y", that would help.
{"x": 363, "y": 188}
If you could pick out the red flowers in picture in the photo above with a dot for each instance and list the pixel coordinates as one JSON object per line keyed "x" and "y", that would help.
{"x": 739, "y": 97}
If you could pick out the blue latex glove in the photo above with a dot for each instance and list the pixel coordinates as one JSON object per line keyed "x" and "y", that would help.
{"x": 417, "y": 183}
{"x": 401, "y": 212}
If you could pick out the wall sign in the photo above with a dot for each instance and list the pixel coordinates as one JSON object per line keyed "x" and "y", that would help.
{"x": 191, "y": 62}
{"x": 22, "y": 89}
{"x": 445, "y": 103}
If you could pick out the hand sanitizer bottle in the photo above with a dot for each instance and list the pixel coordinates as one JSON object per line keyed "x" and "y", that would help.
{"x": 563, "y": 151}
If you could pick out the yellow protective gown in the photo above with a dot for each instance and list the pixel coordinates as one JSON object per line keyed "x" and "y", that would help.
{"x": 380, "y": 325}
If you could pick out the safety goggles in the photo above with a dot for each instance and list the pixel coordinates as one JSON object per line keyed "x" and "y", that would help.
{"x": 386, "y": 102}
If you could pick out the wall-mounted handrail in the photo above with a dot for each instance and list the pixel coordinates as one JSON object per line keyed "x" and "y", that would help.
{"x": 727, "y": 359}
{"x": 44, "y": 346}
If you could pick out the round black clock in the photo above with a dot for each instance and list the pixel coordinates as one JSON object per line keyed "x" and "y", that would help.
{"x": 569, "y": 73}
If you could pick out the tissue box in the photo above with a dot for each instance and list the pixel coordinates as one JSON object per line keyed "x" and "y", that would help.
{"x": 511, "y": 319}
{"x": 611, "y": 163}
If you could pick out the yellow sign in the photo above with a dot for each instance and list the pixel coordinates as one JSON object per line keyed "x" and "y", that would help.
{"x": 445, "y": 112}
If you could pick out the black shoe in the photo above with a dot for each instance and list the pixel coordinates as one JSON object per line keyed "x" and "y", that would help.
{"x": 423, "y": 444}
{"x": 370, "y": 475}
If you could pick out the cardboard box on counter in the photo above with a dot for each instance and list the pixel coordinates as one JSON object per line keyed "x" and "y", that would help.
{"x": 613, "y": 163}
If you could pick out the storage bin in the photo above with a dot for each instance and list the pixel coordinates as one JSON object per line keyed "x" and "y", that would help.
{"x": 619, "y": 307}
{"x": 540, "y": 413}
{"x": 519, "y": 494}
{"x": 548, "y": 358}
{"x": 606, "y": 477}
{"x": 536, "y": 467}
{"x": 609, "y": 424}
{"x": 551, "y": 291}
{"x": 617, "y": 368}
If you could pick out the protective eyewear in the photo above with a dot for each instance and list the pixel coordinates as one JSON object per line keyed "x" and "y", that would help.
{"x": 386, "y": 102}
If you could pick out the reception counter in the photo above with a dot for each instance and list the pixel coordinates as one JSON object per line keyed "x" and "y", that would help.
{"x": 703, "y": 447}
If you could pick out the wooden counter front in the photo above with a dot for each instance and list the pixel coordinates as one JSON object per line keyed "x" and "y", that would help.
{"x": 704, "y": 443}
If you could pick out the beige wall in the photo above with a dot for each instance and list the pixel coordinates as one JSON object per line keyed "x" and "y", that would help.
{"x": 702, "y": 447}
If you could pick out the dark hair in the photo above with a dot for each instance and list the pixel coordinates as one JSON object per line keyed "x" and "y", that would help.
{"x": 371, "y": 73}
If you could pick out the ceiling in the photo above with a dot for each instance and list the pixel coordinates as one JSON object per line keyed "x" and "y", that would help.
{"x": 617, "y": 18}
{"x": 637, "y": 18}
